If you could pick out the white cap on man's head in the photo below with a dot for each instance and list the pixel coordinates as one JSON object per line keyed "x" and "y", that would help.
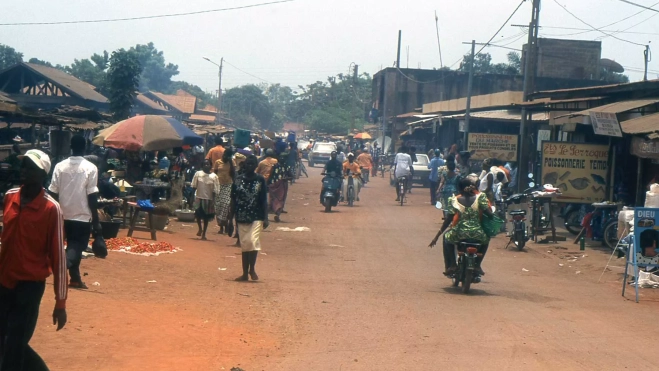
{"x": 39, "y": 158}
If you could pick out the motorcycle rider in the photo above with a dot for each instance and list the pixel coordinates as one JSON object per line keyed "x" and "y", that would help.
{"x": 402, "y": 165}
{"x": 467, "y": 206}
{"x": 333, "y": 165}
{"x": 351, "y": 167}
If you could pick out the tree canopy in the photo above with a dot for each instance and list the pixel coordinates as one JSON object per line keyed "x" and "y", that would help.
{"x": 9, "y": 56}
{"x": 122, "y": 81}
{"x": 483, "y": 64}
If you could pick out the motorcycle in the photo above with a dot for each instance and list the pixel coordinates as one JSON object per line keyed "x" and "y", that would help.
{"x": 350, "y": 190}
{"x": 331, "y": 190}
{"x": 465, "y": 274}
{"x": 519, "y": 235}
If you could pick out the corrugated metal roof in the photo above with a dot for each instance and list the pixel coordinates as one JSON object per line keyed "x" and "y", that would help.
{"x": 5, "y": 98}
{"x": 600, "y": 90}
{"x": 150, "y": 103}
{"x": 68, "y": 83}
{"x": 197, "y": 117}
{"x": 183, "y": 103}
{"x": 641, "y": 125}
{"x": 501, "y": 115}
{"x": 425, "y": 118}
{"x": 617, "y": 107}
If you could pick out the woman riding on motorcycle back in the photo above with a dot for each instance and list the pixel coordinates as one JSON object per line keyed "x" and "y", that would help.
{"x": 465, "y": 211}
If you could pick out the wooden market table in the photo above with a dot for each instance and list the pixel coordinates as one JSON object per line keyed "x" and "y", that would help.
{"x": 133, "y": 221}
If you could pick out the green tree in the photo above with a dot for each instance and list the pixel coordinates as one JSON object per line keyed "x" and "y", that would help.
{"x": 483, "y": 64}
{"x": 9, "y": 56}
{"x": 123, "y": 80}
{"x": 91, "y": 71}
{"x": 613, "y": 77}
{"x": 156, "y": 74}
{"x": 331, "y": 120}
{"x": 249, "y": 100}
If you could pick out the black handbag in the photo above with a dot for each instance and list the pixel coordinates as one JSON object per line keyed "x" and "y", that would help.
{"x": 99, "y": 248}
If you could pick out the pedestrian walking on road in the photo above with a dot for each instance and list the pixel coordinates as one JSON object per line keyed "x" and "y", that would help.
{"x": 75, "y": 186}
{"x": 249, "y": 194}
{"x": 225, "y": 169}
{"x": 277, "y": 190}
{"x": 215, "y": 153}
{"x": 32, "y": 248}
{"x": 448, "y": 184}
{"x": 206, "y": 186}
{"x": 434, "y": 177}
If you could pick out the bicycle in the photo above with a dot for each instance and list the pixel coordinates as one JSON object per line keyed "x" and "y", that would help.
{"x": 402, "y": 189}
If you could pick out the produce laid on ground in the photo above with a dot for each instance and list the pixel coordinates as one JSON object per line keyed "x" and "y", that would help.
{"x": 131, "y": 245}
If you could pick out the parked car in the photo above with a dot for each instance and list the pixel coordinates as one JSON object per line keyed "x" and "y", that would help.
{"x": 421, "y": 172}
{"x": 320, "y": 153}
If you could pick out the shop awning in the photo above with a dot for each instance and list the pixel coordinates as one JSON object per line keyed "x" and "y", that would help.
{"x": 641, "y": 125}
{"x": 617, "y": 107}
{"x": 426, "y": 118}
{"x": 500, "y": 115}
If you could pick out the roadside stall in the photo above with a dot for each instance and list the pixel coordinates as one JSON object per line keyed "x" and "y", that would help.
{"x": 143, "y": 134}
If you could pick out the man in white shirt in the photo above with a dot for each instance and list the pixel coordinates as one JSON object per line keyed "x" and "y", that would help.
{"x": 74, "y": 186}
{"x": 402, "y": 166}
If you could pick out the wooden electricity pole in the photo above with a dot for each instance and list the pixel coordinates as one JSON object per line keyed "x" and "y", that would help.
{"x": 530, "y": 68}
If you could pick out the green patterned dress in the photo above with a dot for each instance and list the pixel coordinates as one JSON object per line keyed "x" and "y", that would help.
{"x": 469, "y": 225}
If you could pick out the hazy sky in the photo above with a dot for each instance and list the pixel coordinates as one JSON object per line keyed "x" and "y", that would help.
{"x": 306, "y": 40}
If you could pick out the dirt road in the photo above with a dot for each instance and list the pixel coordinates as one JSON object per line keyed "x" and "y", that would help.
{"x": 359, "y": 291}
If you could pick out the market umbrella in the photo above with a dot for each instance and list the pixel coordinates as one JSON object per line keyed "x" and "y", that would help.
{"x": 362, "y": 136}
{"x": 147, "y": 133}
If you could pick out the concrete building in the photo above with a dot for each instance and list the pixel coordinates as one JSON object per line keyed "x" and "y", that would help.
{"x": 568, "y": 59}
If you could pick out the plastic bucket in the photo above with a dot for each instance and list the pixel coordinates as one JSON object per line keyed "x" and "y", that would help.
{"x": 110, "y": 229}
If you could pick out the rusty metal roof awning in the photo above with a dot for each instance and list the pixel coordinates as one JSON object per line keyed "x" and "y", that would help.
{"x": 641, "y": 125}
{"x": 617, "y": 107}
{"x": 500, "y": 115}
{"x": 424, "y": 119}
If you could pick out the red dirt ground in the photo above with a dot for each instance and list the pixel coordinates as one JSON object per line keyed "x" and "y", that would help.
{"x": 360, "y": 291}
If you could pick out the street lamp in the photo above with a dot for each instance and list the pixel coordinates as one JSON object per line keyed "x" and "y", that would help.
{"x": 219, "y": 89}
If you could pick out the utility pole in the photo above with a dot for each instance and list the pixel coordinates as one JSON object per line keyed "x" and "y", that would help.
{"x": 400, "y": 36}
{"x": 530, "y": 67}
{"x": 470, "y": 84}
{"x": 219, "y": 91}
{"x": 219, "y": 88}
{"x": 646, "y": 52}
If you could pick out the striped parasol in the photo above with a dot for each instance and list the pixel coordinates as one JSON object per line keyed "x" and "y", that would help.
{"x": 147, "y": 133}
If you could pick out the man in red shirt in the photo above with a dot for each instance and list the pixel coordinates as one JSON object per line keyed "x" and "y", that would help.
{"x": 32, "y": 248}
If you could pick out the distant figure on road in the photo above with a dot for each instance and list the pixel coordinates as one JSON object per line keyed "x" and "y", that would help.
{"x": 215, "y": 153}
{"x": 351, "y": 168}
{"x": 468, "y": 206}
{"x": 250, "y": 199}
{"x": 75, "y": 186}
{"x": 434, "y": 176}
{"x": 32, "y": 248}
{"x": 225, "y": 169}
{"x": 402, "y": 166}
{"x": 206, "y": 187}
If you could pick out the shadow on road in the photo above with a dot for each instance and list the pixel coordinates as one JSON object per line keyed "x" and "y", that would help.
{"x": 472, "y": 292}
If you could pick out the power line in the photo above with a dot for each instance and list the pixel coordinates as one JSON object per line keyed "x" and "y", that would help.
{"x": 630, "y": 27}
{"x": 593, "y": 27}
{"x": 146, "y": 17}
{"x": 501, "y": 28}
{"x": 591, "y": 30}
{"x": 461, "y": 58}
{"x": 247, "y": 73}
{"x": 639, "y": 5}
